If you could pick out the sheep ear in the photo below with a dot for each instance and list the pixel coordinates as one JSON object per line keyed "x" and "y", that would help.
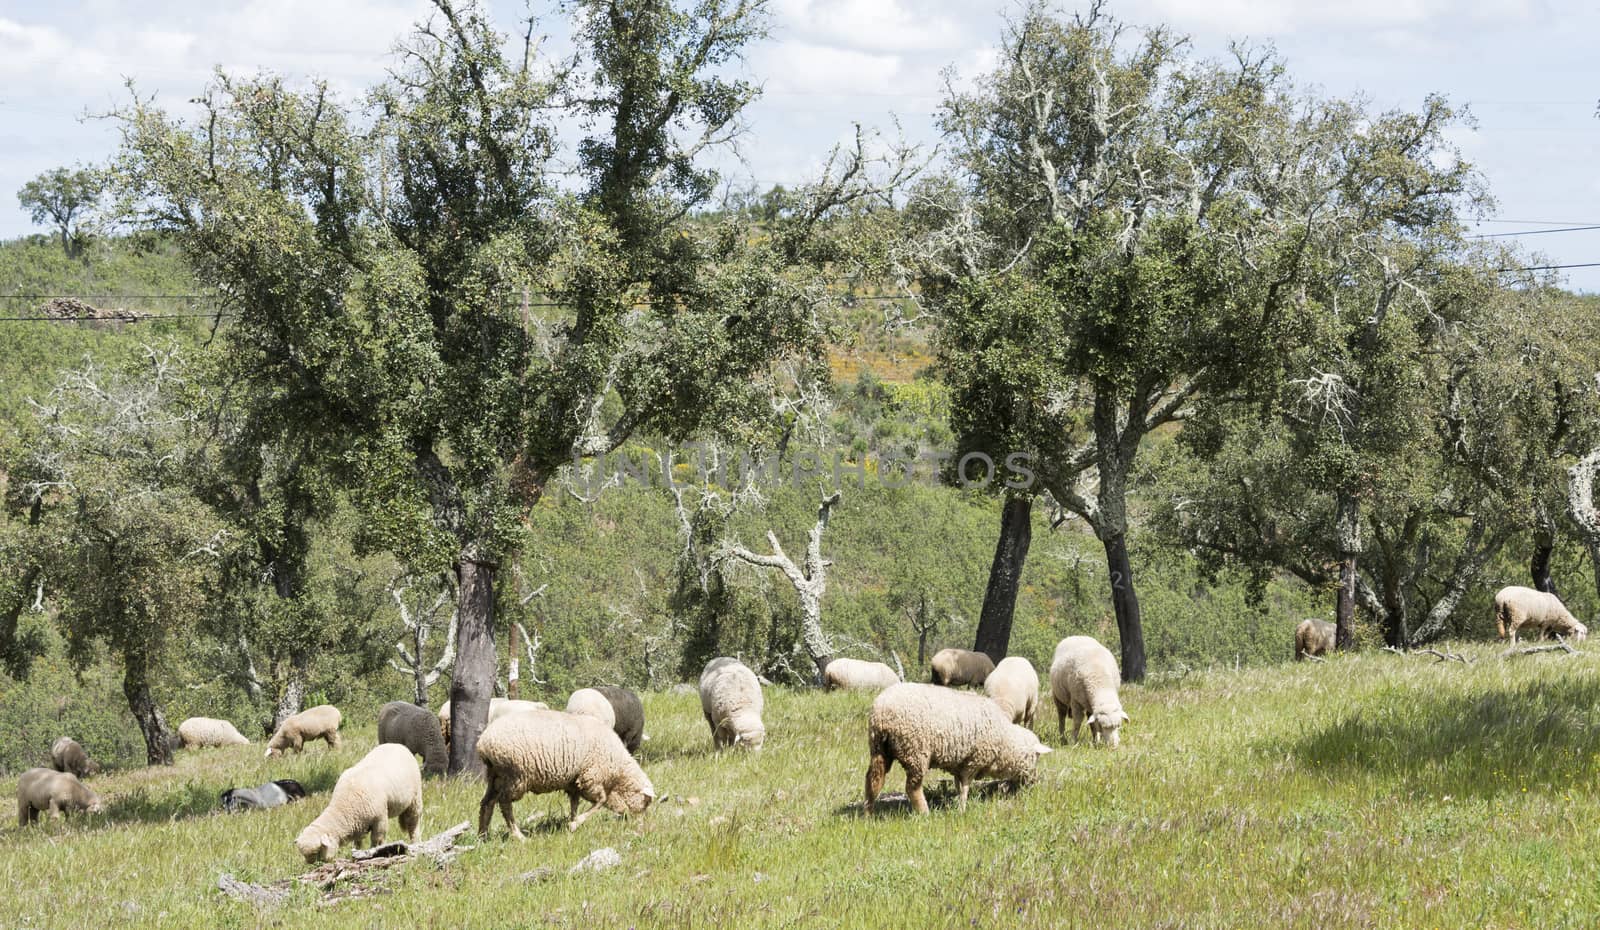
{"x": 1091, "y": 720}
{"x": 1042, "y": 749}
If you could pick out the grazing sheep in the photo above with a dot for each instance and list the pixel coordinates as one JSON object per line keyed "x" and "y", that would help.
{"x": 927, "y": 726}
{"x": 320, "y": 722}
{"x": 730, "y": 698}
{"x": 67, "y": 756}
{"x": 385, "y": 783}
{"x": 1516, "y": 607}
{"x": 956, "y": 667}
{"x": 206, "y": 731}
{"x": 417, "y": 730}
{"x": 1313, "y": 638}
{"x": 497, "y": 708}
{"x": 628, "y": 712}
{"x": 1084, "y": 681}
{"x": 40, "y": 790}
{"x": 1014, "y": 685}
{"x": 591, "y": 703}
{"x": 544, "y": 751}
{"x": 858, "y": 675}
{"x": 272, "y": 794}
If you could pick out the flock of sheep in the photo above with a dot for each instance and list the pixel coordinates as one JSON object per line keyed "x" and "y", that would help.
{"x": 587, "y": 750}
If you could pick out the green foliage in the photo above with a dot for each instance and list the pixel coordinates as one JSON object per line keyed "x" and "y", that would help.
{"x": 64, "y": 198}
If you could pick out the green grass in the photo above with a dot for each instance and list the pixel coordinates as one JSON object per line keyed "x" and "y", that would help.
{"x": 1370, "y": 791}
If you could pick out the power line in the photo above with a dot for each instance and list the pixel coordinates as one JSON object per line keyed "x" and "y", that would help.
{"x": 1541, "y": 222}
{"x": 1535, "y": 232}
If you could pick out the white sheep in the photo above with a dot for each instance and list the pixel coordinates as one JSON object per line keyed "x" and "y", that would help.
{"x": 858, "y": 675}
{"x": 320, "y": 722}
{"x": 956, "y": 667}
{"x": 546, "y": 750}
{"x": 591, "y": 703}
{"x": 1014, "y": 686}
{"x": 1084, "y": 681}
{"x": 207, "y": 731}
{"x": 498, "y": 707}
{"x": 386, "y": 783}
{"x": 730, "y": 698}
{"x": 1516, "y": 607}
{"x": 928, "y": 726}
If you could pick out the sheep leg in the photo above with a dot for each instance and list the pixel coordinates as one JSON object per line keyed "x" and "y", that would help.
{"x": 514, "y": 831}
{"x": 1077, "y": 722}
{"x": 919, "y": 802}
{"x": 379, "y": 831}
{"x": 486, "y": 808}
{"x": 575, "y": 819}
{"x": 1061, "y": 721}
{"x": 333, "y": 739}
{"x": 24, "y": 813}
{"x": 963, "y": 785}
{"x": 55, "y": 809}
{"x": 410, "y": 820}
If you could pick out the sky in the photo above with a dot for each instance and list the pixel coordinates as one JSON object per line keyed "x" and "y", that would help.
{"x": 1527, "y": 70}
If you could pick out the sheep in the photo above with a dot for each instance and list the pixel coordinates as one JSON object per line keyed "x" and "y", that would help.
{"x": 628, "y": 712}
{"x": 320, "y": 722}
{"x": 858, "y": 675}
{"x": 1014, "y": 686}
{"x": 41, "y": 789}
{"x": 591, "y": 703}
{"x": 1084, "y": 681}
{"x": 417, "y": 730}
{"x": 954, "y": 667}
{"x": 67, "y": 756}
{"x": 1313, "y": 638}
{"x": 497, "y": 707}
{"x": 923, "y": 726}
{"x": 543, "y": 751}
{"x": 272, "y": 794}
{"x": 730, "y": 698}
{"x": 385, "y": 783}
{"x": 1516, "y": 607}
{"x": 206, "y": 731}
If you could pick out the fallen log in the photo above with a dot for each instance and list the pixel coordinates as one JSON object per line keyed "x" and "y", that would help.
{"x": 362, "y": 868}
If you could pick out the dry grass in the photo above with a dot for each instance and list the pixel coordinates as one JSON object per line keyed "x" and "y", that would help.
{"x": 1370, "y": 791}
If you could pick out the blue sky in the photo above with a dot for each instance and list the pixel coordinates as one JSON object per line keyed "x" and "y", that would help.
{"x": 1527, "y": 68}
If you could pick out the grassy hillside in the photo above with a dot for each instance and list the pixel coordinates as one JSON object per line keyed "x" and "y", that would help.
{"x": 1372, "y": 791}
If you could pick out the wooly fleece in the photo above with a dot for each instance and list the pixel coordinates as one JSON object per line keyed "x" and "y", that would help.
{"x": 498, "y": 707}
{"x": 205, "y": 731}
{"x": 67, "y": 756}
{"x": 1084, "y": 681}
{"x": 543, "y": 751}
{"x": 730, "y": 698}
{"x": 928, "y": 726}
{"x": 1313, "y": 638}
{"x": 320, "y": 722}
{"x": 591, "y": 703}
{"x": 1014, "y": 686}
{"x": 956, "y": 667}
{"x": 272, "y": 794}
{"x": 385, "y": 783}
{"x": 1516, "y": 607}
{"x": 628, "y": 712}
{"x": 41, "y": 790}
{"x": 417, "y": 730}
{"x": 858, "y": 675}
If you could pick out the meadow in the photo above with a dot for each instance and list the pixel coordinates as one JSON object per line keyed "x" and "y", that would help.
{"x": 1374, "y": 790}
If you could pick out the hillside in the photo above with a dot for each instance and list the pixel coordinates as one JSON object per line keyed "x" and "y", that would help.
{"x": 1371, "y": 791}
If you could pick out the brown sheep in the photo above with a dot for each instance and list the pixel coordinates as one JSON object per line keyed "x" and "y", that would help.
{"x": 955, "y": 667}
{"x": 1313, "y": 638}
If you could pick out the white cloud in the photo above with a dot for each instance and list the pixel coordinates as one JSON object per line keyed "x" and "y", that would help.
{"x": 874, "y": 25}
{"x": 801, "y": 68}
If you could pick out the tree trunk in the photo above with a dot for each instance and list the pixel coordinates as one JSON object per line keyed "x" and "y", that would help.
{"x": 513, "y": 653}
{"x": 472, "y": 685}
{"x": 1130, "y": 626}
{"x": 1348, "y": 533}
{"x": 152, "y": 722}
{"x": 1581, "y": 503}
{"x": 293, "y": 698}
{"x": 1544, "y": 544}
{"x": 816, "y": 641}
{"x": 1005, "y": 578}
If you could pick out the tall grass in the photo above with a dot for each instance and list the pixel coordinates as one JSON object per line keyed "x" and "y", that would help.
{"x": 1373, "y": 791}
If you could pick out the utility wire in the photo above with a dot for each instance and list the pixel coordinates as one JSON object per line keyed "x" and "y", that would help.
{"x": 1535, "y": 232}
